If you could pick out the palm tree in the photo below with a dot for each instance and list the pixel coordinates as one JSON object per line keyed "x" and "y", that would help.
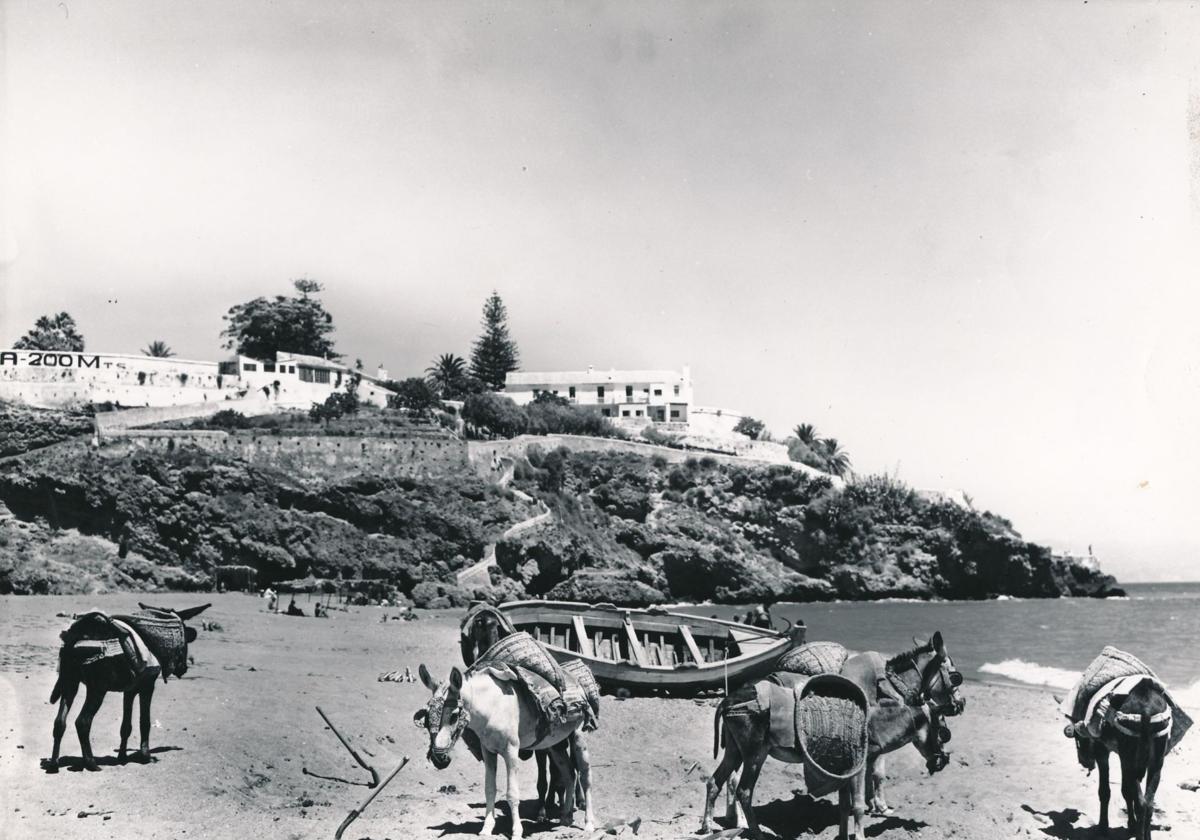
{"x": 158, "y": 349}
{"x": 806, "y": 433}
{"x": 446, "y": 374}
{"x": 837, "y": 460}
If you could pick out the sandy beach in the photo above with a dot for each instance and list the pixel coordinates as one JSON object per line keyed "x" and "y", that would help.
{"x": 239, "y": 750}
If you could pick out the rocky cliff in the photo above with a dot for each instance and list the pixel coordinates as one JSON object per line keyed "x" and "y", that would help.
{"x": 625, "y": 528}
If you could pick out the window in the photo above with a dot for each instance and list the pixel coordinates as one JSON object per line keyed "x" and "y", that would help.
{"x": 604, "y": 411}
{"x": 251, "y": 366}
{"x": 625, "y": 413}
{"x": 571, "y": 392}
{"x": 674, "y": 414}
{"x": 599, "y": 392}
{"x": 638, "y": 413}
{"x": 658, "y": 392}
{"x": 228, "y": 369}
{"x": 677, "y": 390}
{"x": 628, "y": 392}
{"x": 268, "y": 367}
{"x": 308, "y": 374}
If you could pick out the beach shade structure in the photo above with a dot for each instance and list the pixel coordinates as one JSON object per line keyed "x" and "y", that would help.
{"x": 308, "y": 584}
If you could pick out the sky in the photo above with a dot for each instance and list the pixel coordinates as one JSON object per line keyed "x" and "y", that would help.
{"x": 961, "y": 238}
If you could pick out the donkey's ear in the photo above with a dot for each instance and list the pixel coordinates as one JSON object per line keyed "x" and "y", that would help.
{"x": 142, "y": 606}
{"x": 919, "y": 642}
{"x": 938, "y": 644}
{"x": 456, "y": 678}
{"x": 419, "y": 718}
{"x": 426, "y": 679}
{"x": 189, "y": 634}
{"x": 191, "y": 612}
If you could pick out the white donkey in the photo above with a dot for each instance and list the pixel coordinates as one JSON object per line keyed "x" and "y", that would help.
{"x": 506, "y": 723}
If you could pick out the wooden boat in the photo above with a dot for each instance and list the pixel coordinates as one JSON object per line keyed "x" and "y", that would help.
{"x": 642, "y": 650}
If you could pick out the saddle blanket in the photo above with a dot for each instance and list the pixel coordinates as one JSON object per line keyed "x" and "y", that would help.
{"x": 1103, "y": 705}
{"x": 125, "y": 642}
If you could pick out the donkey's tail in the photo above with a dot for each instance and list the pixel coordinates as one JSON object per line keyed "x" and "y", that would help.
{"x": 64, "y": 667}
{"x": 720, "y": 713}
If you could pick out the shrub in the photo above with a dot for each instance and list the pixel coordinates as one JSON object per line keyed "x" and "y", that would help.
{"x": 227, "y": 418}
{"x": 751, "y": 428}
{"x": 491, "y": 414}
{"x": 415, "y": 395}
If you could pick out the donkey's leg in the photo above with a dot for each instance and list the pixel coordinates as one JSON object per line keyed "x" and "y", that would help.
{"x": 513, "y": 792}
{"x": 126, "y": 723}
{"x": 876, "y": 777}
{"x": 543, "y": 782}
{"x": 729, "y": 762}
{"x": 1101, "y": 754}
{"x": 489, "y": 790}
{"x": 1153, "y": 773}
{"x": 857, "y": 794}
{"x": 60, "y": 722}
{"x": 745, "y": 791}
{"x": 145, "y": 696}
{"x": 83, "y": 724}
{"x": 844, "y": 812}
{"x": 1131, "y": 784}
{"x": 566, "y": 781}
{"x": 583, "y": 770}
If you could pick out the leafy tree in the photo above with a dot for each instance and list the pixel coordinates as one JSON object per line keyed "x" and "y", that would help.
{"x": 549, "y": 398}
{"x": 415, "y": 395}
{"x": 491, "y": 414}
{"x": 158, "y": 349}
{"x": 751, "y": 428}
{"x": 495, "y": 353}
{"x": 339, "y": 403}
{"x": 445, "y": 376}
{"x": 52, "y": 332}
{"x": 260, "y": 327}
{"x": 806, "y": 433}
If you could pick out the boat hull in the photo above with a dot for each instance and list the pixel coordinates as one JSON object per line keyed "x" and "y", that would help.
{"x": 652, "y": 650}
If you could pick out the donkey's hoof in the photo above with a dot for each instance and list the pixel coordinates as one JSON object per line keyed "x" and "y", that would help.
{"x": 49, "y": 765}
{"x": 91, "y": 766}
{"x": 141, "y": 757}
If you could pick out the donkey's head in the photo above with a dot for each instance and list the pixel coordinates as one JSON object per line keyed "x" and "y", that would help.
{"x": 939, "y": 680}
{"x": 931, "y": 740}
{"x": 443, "y": 717}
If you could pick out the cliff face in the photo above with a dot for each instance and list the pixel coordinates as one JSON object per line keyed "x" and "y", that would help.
{"x": 625, "y": 528}
{"x": 703, "y": 530}
{"x": 196, "y": 510}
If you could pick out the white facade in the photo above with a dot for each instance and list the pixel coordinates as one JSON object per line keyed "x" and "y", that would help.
{"x": 59, "y": 379}
{"x": 660, "y": 396}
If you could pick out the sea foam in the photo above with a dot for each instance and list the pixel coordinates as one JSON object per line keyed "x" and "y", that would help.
{"x": 1018, "y": 670}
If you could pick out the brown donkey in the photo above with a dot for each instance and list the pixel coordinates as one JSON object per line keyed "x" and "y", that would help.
{"x": 749, "y": 739}
{"x": 104, "y": 656}
{"x": 1138, "y": 731}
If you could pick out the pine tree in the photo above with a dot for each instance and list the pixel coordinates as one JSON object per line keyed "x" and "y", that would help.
{"x": 495, "y": 353}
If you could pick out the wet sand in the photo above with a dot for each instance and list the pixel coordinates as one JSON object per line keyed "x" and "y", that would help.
{"x": 239, "y": 750}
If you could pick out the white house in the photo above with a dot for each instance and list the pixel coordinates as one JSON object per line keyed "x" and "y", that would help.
{"x": 660, "y": 396}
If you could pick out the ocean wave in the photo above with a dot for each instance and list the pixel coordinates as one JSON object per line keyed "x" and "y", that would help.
{"x": 1031, "y": 673}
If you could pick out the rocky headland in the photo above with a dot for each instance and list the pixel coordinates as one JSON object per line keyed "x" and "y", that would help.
{"x": 627, "y": 528}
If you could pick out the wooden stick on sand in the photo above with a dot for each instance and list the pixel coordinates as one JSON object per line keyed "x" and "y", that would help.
{"x": 354, "y": 814}
{"x": 374, "y": 773}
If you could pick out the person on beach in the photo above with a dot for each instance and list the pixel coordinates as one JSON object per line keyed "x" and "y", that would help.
{"x": 292, "y": 609}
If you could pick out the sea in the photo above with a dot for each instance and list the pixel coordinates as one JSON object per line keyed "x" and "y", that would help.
{"x": 1036, "y": 642}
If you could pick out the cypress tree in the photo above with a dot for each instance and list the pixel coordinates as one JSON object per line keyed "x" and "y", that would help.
{"x": 495, "y": 353}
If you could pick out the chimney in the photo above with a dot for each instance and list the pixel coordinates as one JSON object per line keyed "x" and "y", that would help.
{"x": 590, "y": 368}
{"x": 381, "y": 372}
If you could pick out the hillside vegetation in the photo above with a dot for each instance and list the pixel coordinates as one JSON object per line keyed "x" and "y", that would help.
{"x": 625, "y": 528}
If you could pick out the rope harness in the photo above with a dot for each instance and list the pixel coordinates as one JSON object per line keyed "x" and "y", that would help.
{"x": 435, "y": 716}
{"x": 1160, "y": 724}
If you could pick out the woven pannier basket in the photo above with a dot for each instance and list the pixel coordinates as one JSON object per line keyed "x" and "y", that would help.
{"x": 813, "y": 658}
{"x": 831, "y": 728}
{"x": 578, "y": 669}
{"x": 522, "y": 649}
{"x": 1110, "y": 665}
{"x": 163, "y": 634}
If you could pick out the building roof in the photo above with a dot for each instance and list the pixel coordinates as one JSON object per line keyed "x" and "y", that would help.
{"x": 584, "y": 377}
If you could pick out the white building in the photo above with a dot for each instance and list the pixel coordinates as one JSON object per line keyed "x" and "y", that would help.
{"x": 60, "y": 379}
{"x": 660, "y": 396}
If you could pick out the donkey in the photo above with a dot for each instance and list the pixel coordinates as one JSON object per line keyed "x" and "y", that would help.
{"x": 925, "y": 673}
{"x": 505, "y": 722}
{"x": 749, "y": 739}
{"x": 481, "y": 628}
{"x": 112, "y": 673}
{"x": 1138, "y": 731}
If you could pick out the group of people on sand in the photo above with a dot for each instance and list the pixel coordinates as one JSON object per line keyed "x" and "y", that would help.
{"x": 272, "y": 598}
